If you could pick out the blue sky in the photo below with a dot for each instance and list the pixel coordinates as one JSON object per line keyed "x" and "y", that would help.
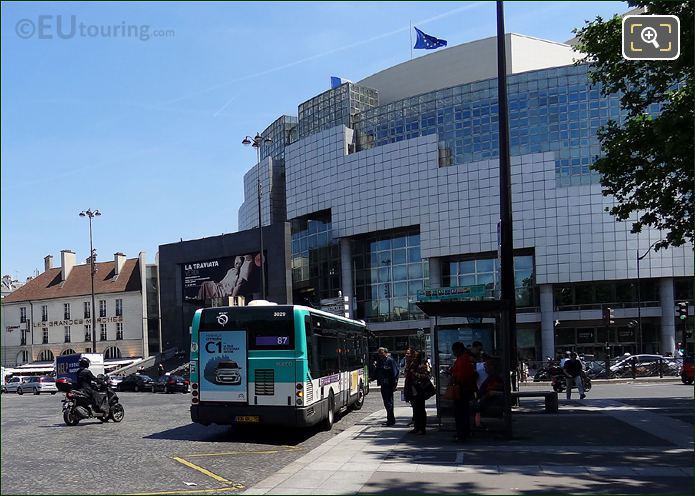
{"x": 149, "y": 131}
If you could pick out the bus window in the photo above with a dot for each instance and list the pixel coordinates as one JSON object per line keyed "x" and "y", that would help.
{"x": 328, "y": 346}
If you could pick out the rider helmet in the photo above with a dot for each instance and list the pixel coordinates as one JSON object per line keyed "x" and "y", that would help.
{"x": 84, "y": 362}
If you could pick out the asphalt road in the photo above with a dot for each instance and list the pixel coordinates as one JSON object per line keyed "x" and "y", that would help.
{"x": 149, "y": 452}
{"x": 157, "y": 449}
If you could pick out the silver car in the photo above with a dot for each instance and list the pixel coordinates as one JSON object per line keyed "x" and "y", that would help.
{"x": 40, "y": 384}
{"x": 228, "y": 372}
{"x": 16, "y": 384}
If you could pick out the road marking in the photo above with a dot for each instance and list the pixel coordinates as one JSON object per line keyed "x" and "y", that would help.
{"x": 188, "y": 491}
{"x": 231, "y": 453}
{"x": 202, "y": 470}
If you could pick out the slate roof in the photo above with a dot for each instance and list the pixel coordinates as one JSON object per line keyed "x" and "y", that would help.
{"x": 49, "y": 285}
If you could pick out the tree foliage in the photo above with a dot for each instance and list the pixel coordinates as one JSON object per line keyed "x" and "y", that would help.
{"x": 647, "y": 160}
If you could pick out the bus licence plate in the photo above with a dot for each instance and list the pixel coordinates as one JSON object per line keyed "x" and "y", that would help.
{"x": 248, "y": 419}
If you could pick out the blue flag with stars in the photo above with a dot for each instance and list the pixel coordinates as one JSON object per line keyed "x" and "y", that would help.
{"x": 428, "y": 42}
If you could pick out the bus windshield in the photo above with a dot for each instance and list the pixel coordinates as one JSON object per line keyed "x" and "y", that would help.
{"x": 267, "y": 328}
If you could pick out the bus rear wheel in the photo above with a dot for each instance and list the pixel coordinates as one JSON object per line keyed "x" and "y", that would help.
{"x": 330, "y": 417}
{"x": 359, "y": 402}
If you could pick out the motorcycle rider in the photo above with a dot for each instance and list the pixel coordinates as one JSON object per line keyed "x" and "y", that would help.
{"x": 85, "y": 378}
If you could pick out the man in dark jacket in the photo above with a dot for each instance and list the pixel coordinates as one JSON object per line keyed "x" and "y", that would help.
{"x": 85, "y": 378}
{"x": 573, "y": 371}
{"x": 387, "y": 377}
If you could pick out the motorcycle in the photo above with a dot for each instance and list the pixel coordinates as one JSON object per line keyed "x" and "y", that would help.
{"x": 79, "y": 405}
{"x": 559, "y": 382}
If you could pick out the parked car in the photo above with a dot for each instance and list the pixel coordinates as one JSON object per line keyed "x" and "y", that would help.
{"x": 16, "y": 384}
{"x": 170, "y": 384}
{"x": 645, "y": 365}
{"x": 686, "y": 371}
{"x": 115, "y": 380}
{"x": 228, "y": 372}
{"x": 136, "y": 382}
{"x": 40, "y": 384}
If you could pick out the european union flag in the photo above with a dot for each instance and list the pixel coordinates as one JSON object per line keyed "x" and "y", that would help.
{"x": 428, "y": 42}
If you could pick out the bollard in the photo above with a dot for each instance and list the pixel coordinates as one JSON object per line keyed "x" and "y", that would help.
{"x": 633, "y": 367}
{"x": 661, "y": 368}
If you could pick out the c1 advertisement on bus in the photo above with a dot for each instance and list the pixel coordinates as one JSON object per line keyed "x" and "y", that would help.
{"x": 223, "y": 369}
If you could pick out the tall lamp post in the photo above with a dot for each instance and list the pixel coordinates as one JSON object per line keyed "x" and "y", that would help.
{"x": 639, "y": 296}
{"x": 507, "y": 296}
{"x": 258, "y": 141}
{"x": 92, "y": 259}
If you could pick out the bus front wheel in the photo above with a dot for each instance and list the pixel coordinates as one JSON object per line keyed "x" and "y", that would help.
{"x": 359, "y": 402}
{"x": 330, "y": 417}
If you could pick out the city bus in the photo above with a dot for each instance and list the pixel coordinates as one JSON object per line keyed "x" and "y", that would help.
{"x": 275, "y": 364}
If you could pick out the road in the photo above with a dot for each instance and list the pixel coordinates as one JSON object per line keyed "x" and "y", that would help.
{"x": 157, "y": 449}
{"x": 147, "y": 452}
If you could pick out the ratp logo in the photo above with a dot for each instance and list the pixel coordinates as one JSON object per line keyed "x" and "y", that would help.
{"x": 222, "y": 319}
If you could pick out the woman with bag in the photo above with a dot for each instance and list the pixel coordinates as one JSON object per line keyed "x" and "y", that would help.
{"x": 421, "y": 389}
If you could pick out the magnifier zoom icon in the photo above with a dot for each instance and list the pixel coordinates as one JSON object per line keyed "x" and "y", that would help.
{"x": 649, "y": 36}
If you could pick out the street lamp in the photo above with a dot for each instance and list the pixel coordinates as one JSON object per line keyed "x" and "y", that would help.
{"x": 639, "y": 295}
{"x": 258, "y": 141}
{"x": 92, "y": 259}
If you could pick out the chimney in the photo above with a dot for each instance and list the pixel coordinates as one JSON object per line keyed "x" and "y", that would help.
{"x": 47, "y": 262}
{"x": 67, "y": 262}
{"x": 119, "y": 259}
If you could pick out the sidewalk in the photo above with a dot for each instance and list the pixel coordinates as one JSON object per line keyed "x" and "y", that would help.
{"x": 550, "y": 453}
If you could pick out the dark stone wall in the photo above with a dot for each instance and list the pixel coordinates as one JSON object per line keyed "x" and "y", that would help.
{"x": 177, "y": 315}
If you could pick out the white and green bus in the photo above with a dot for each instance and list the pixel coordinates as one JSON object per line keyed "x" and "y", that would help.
{"x": 276, "y": 365}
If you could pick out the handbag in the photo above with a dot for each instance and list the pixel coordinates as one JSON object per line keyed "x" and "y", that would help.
{"x": 453, "y": 393}
{"x": 427, "y": 389}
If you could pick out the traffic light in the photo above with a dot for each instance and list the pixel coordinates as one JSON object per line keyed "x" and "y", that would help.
{"x": 682, "y": 310}
{"x": 608, "y": 316}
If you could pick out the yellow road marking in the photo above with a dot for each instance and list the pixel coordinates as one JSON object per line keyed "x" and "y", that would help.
{"x": 204, "y": 471}
{"x": 189, "y": 491}
{"x": 229, "y": 453}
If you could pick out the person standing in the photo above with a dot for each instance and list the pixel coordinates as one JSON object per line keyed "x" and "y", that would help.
{"x": 160, "y": 369}
{"x": 408, "y": 386}
{"x": 463, "y": 376}
{"x": 420, "y": 376}
{"x": 387, "y": 377}
{"x": 573, "y": 371}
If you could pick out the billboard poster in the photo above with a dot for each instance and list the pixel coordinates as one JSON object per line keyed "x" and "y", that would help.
{"x": 223, "y": 372}
{"x": 222, "y": 277}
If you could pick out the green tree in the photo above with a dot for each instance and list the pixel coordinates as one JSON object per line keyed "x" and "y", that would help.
{"x": 647, "y": 160}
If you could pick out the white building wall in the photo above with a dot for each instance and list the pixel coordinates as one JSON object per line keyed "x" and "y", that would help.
{"x": 133, "y": 334}
{"x": 465, "y": 63}
{"x": 457, "y": 208}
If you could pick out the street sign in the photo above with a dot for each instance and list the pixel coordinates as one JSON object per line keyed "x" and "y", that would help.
{"x": 334, "y": 309}
{"x": 475, "y": 292}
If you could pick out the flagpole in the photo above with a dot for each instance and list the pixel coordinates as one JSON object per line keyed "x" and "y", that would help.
{"x": 411, "y": 40}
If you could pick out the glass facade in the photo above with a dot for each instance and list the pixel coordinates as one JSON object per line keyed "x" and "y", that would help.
{"x": 280, "y": 132}
{"x": 388, "y": 271}
{"x": 588, "y": 295}
{"x": 550, "y": 110}
{"x": 315, "y": 260}
{"x": 484, "y": 270}
{"x": 334, "y": 107}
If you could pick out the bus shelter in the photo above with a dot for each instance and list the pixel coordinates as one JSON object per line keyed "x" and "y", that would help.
{"x": 465, "y": 321}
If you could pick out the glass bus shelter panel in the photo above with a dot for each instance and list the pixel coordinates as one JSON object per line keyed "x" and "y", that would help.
{"x": 447, "y": 335}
